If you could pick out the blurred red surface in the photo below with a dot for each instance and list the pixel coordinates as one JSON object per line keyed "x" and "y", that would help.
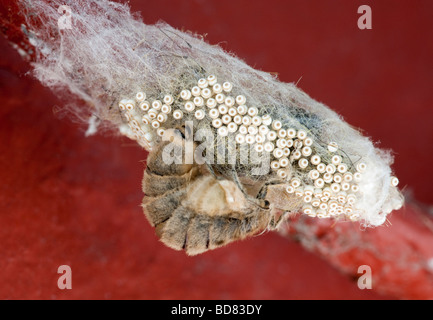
{"x": 66, "y": 199}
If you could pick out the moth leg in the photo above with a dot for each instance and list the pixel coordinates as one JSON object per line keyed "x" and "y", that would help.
{"x": 275, "y": 224}
{"x": 211, "y": 170}
{"x": 264, "y": 190}
{"x": 233, "y": 175}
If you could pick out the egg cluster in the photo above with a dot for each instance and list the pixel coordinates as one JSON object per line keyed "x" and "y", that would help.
{"x": 331, "y": 188}
{"x": 146, "y": 119}
{"x": 328, "y": 187}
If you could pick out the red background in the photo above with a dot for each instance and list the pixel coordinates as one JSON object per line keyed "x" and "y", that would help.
{"x": 66, "y": 199}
